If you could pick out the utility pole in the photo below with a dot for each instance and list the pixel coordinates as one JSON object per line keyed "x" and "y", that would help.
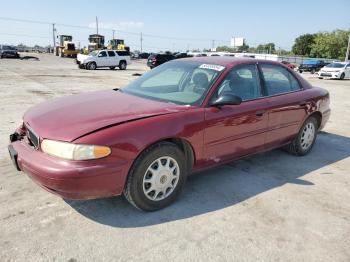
{"x": 212, "y": 44}
{"x": 113, "y": 33}
{"x": 54, "y": 37}
{"x": 141, "y": 39}
{"x": 348, "y": 49}
{"x": 96, "y": 25}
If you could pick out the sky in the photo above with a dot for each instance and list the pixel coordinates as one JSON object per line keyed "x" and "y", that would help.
{"x": 172, "y": 25}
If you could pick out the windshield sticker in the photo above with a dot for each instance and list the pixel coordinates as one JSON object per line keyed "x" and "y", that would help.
{"x": 212, "y": 67}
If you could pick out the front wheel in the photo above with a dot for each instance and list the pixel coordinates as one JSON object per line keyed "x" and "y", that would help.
{"x": 304, "y": 141}
{"x": 342, "y": 76}
{"x": 157, "y": 177}
{"x": 122, "y": 65}
{"x": 91, "y": 66}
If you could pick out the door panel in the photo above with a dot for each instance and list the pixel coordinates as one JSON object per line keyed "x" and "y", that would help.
{"x": 285, "y": 114}
{"x": 235, "y": 131}
{"x": 287, "y": 105}
{"x": 102, "y": 59}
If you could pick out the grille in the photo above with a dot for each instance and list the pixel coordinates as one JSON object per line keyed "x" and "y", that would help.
{"x": 32, "y": 137}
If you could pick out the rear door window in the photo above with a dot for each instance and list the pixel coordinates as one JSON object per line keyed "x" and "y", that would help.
{"x": 278, "y": 80}
{"x": 111, "y": 53}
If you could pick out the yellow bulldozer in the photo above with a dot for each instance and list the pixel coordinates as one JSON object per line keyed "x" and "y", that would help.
{"x": 116, "y": 44}
{"x": 96, "y": 42}
{"x": 66, "y": 47}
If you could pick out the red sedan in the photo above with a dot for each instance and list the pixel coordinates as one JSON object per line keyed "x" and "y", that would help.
{"x": 182, "y": 117}
{"x": 289, "y": 65}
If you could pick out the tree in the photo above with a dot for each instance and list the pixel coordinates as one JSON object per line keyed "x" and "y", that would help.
{"x": 268, "y": 48}
{"x": 303, "y": 43}
{"x": 225, "y": 49}
{"x": 243, "y": 48}
{"x": 330, "y": 45}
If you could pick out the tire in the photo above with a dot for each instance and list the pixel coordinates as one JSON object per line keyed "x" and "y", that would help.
{"x": 305, "y": 140}
{"x": 300, "y": 71}
{"x": 141, "y": 177}
{"x": 112, "y": 67}
{"x": 122, "y": 65}
{"x": 342, "y": 76}
{"x": 313, "y": 71}
{"x": 91, "y": 66}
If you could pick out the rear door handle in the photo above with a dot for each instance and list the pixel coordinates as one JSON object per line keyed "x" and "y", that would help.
{"x": 260, "y": 112}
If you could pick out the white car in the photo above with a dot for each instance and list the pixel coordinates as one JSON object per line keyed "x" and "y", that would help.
{"x": 104, "y": 58}
{"x": 335, "y": 70}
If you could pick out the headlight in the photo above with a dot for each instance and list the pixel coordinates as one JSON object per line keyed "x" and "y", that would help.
{"x": 74, "y": 151}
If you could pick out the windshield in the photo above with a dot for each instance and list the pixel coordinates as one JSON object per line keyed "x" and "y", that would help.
{"x": 336, "y": 65}
{"x": 184, "y": 83}
{"x": 94, "y": 53}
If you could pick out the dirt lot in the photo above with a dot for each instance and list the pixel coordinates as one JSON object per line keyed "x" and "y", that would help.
{"x": 269, "y": 207}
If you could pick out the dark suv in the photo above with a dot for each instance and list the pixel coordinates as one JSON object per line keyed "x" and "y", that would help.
{"x": 158, "y": 59}
{"x": 8, "y": 51}
{"x": 311, "y": 65}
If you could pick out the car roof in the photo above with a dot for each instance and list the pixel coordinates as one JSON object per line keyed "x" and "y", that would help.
{"x": 227, "y": 61}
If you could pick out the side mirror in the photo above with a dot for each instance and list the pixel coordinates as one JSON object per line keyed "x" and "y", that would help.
{"x": 99, "y": 55}
{"x": 227, "y": 99}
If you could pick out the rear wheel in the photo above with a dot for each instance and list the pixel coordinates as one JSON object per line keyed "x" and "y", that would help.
{"x": 342, "y": 76}
{"x": 304, "y": 141}
{"x": 157, "y": 177}
{"x": 91, "y": 66}
{"x": 122, "y": 65}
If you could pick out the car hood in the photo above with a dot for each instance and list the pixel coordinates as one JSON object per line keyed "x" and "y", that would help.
{"x": 69, "y": 118}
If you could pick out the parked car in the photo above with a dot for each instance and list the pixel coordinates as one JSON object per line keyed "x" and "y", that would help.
{"x": 311, "y": 65}
{"x": 8, "y": 51}
{"x": 158, "y": 59}
{"x": 182, "y": 55}
{"x": 104, "y": 58}
{"x": 184, "y": 116}
{"x": 144, "y": 55}
{"x": 289, "y": 65}
{"x": 336, "y": 70}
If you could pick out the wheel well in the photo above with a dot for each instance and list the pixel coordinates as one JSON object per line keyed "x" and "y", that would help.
{"x": 122, "y": 61}
{"x": 318, "y": 117}
{"x": 185, "y": 147}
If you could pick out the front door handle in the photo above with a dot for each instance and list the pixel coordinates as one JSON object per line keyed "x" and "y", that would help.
{"x": 260, "y": 112}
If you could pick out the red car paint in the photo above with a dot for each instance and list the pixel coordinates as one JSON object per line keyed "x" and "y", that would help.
{"x": 129, "y": 124}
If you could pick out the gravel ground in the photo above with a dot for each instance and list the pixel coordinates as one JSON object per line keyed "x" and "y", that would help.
{"x": 268, "y": 207}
